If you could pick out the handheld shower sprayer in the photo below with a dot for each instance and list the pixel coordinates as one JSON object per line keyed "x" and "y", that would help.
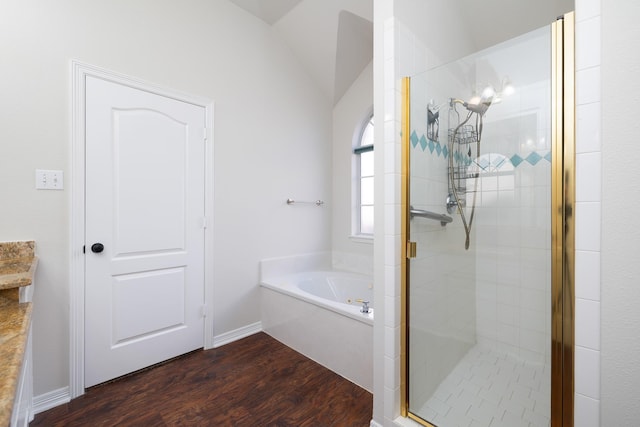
{"x": 477, "y": 104}
{"x": 479, "y": 108}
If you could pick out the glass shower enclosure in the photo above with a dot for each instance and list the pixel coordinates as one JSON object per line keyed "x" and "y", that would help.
{"x": 479, "y": 224}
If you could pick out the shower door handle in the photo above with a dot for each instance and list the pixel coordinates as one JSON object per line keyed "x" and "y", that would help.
{"x": 412, "y": 249}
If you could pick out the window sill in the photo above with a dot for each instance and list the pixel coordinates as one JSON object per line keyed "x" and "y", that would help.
{"x": 362, "y": 238}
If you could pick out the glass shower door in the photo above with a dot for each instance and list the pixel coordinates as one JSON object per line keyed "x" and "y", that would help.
{"x": 479, "y": 287}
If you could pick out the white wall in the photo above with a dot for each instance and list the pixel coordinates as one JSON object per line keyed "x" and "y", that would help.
{"x": 348, "y": 115}
{"x": 438, "y": 26}
{"x": 272, "y": 140}
{"x": 620, "y": 233}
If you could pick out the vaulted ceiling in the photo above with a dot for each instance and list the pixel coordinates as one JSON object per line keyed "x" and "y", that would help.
{"x": 333, "y": 39}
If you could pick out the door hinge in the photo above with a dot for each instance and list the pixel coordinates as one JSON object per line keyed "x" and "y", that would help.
{"x": 411, "y": 249}
{"x": 204, "y": 135}
{"x": 204, "y": 310}
{"x": 84, "y": 248}
{"x": 204, "y": 222}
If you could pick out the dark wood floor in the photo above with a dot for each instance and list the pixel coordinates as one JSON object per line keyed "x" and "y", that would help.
{"x": 256, "y": 381}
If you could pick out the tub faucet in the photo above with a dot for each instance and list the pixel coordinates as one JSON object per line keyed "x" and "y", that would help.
{"x": 365, "y": 306}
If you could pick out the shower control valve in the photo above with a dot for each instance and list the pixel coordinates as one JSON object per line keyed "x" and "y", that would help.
{"x": 452, "y": 203}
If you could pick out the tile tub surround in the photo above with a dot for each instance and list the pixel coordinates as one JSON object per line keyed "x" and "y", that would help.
{"x": 17, "y": 267}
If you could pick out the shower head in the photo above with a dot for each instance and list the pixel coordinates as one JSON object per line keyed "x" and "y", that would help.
{"x": 481, "y": 104}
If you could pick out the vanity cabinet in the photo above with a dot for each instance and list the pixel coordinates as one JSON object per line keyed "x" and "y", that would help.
{"x": 22, "y": 413}
{"x": 17, "y": 269}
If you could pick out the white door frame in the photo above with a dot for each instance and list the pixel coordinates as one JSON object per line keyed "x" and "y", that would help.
{"x": 79, "y": 72}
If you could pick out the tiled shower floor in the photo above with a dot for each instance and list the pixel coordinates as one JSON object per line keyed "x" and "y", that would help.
{"x": 490, "y": 389}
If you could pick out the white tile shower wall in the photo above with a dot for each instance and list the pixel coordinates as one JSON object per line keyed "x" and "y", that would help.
{"x": 396, "y": 66}
{"x": 588, "y": 208}
{"x": 587, "y": 409}
{"x": 442, "y": 317}
{"x": 512, "y": 288}
{"x": 512, "y": 227}
{"x": 392, "y": 114}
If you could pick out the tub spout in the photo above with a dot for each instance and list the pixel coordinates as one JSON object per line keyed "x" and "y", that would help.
{"x": 365, "y": 306}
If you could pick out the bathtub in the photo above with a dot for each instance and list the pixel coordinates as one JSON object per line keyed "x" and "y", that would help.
{"x": 337, "y": 291}
{"x": 317, "y": 314}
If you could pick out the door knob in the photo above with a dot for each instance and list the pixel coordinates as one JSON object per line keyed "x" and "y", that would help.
{"x": 97, "y": 248}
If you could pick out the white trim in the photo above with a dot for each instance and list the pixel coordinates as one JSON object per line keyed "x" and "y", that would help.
{"x": 356, "y": 174}
{"x": 208, "y": 232}
{"x": 374, "y": 424}
{"x": 51, "y": 399}
{"x": 79, "y": 72}
{"x": 362, "y": 238}
{"x": 76, "y": 275}
{"x": 401, "y": 421}
{"x": 236, "y": 334}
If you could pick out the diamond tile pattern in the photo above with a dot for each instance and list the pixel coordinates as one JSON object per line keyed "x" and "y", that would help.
{"x": 414, "y": 138}
{"x": 533, "y": 158}
{"x": 423, "y": 143}
{"x": 516, "y": 160}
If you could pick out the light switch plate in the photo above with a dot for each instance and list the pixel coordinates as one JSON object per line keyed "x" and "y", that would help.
{"x": 49, "y": 179}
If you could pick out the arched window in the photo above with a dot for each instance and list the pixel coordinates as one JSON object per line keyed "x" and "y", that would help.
{"x": 363, "y": 188}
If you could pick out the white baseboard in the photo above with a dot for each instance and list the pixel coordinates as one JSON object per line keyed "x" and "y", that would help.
{"x": 51, "y": 399}
{"x": 374, "y": 424}
{"x": 236, "y": 334}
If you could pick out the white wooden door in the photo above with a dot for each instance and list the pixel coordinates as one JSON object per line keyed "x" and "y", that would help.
{"x": 145, "y": 174}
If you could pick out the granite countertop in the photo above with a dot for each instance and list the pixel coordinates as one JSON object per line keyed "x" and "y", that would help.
{"x": 17, "y": 267}
{"x": 17, "y": 264}
{"x": 16, "y": 273}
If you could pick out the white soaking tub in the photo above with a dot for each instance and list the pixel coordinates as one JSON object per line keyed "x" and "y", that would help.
{"x": 318, "y": 314}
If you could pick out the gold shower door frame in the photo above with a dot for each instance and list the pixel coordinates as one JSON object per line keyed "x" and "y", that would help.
{"x": 562, "y": 228}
